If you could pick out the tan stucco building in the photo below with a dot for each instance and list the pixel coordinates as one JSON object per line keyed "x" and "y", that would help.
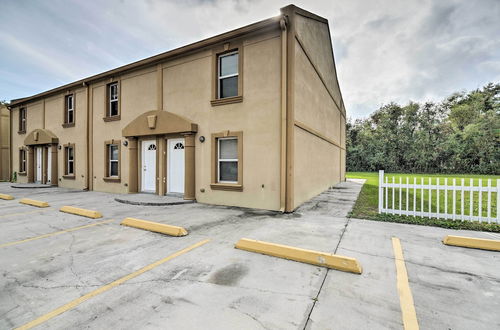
{"x": 253, "y": 117}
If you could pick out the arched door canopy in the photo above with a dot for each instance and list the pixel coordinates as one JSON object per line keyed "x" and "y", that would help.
{"x": 40, "y": 136}
{"x": 158, "y": 122}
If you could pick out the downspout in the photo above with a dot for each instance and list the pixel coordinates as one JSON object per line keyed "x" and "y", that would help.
{"x": 10, "y": 144}
{"x": 283, "y": 26}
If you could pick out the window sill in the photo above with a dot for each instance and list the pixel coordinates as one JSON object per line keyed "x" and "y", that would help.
{"x": 66, "y": 125}
{"x": 111, "y": 179}
{"x": 112, "y": 118}
{"x": 226, "y": 186}
{"x": 69, "y": 176}
{"x": 21, "y": 132}
{"x": 21, "y": 173}
{"x": 227, "y": 100}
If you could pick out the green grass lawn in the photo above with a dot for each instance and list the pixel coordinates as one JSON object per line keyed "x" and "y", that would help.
{"x": 366, "y": 206}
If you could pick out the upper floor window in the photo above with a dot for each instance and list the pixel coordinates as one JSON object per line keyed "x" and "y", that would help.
{"x": 227, "y": 75}
{"x": 22, "y": 120}
{"x": 113, "y": 109}
{"x": 69, "y": 106}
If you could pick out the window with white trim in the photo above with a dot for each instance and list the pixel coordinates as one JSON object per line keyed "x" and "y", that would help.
{"x": 22, "y": 160}
{"x": 227, "y": 75}
{"x": 113, "y": 160}
{"x": 70, "y": 160}
{"x": 70, "y": 109}
{"x": 113, "y": 100}
{"x": 227, "y": 160}
{"x": 22, "y": 120}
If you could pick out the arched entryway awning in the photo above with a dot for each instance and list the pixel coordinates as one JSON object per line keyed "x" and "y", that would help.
{"x": 40, "y": 136}
{"x": 42, "y": 156}
{"x": 158, "y": 122}
{"x": 165, "y": 126}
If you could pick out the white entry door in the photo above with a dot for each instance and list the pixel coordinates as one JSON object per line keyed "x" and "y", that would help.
{"x": 38, "y": 171}
{"x": 175, "y": 158}
{"x": 148, "y": 166}
{"x": 49, "y": 165}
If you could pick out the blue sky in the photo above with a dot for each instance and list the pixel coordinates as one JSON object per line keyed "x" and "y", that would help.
{"x": 386, "y": 50}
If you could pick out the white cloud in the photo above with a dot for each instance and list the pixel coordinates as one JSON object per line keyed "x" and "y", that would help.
{"x": 386, "y": 50}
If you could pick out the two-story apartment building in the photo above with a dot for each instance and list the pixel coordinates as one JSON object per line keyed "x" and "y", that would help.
{"x": 253, "y": 117}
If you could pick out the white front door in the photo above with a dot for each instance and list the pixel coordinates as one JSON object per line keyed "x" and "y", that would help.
{"x": 49, "y": 165}
{"x": 38, "y": 171}
{"x": 175, "y": 177}
{"x": 148, "y": 166}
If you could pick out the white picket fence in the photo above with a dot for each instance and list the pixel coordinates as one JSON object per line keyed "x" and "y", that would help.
{"x": 429, "y": 203}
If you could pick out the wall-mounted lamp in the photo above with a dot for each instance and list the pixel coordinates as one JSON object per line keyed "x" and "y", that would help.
{"x": 125, "y": 143}
{"x": 59, "y": 147}
{"x": 202, "y": 139}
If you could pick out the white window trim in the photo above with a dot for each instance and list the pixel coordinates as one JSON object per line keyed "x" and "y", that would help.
{"x": 110, "y": 161}
{"x": 219, "y": 77}
{"x": 23, "y": 161}
{"x": 23, "y": 119}
{"x": 113, "y": 99}
{"x": 68, "y": 161}
{"x": 219, "y": 160}
{"x": 68, "y": 109}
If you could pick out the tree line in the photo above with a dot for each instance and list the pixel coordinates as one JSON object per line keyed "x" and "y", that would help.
{"x": 460, "y": 134}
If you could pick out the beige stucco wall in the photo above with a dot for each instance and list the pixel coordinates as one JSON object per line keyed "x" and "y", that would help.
{"x": 258, "y": 117}
{"x": 4, "y": 143}
{"x": 319, "y": 133}
{"x": 52, "y": 120}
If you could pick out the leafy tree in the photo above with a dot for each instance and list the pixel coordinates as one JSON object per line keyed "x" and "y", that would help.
{"x": 459, "y": 135}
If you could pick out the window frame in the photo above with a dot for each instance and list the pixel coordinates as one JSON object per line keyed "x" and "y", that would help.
{"x": 220, "y": 78}
{"x": 219, "y": 51}
{"x": 23, "y": 114}
{"x": 68, "y": 175}
{"x": 67, "y": 123}
{"x": 108, "y": 101}
{"x": 220, "y": 160}
{"x": 107, "y": 161}
{"x": 22, "y": 161}
{"x": 216, "y": 184}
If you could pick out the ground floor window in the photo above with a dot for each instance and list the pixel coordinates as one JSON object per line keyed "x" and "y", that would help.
{"x": 227, "y": 161}
{"x": 69, "y": 156}
{"x": 112, "y": 158}
{"x": 22, "y": 160}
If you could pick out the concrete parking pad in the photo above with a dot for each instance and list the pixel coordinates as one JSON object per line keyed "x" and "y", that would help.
{"x": 216, "y": 286}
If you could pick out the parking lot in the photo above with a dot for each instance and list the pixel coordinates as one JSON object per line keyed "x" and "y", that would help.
{"x": 50, "y": 259}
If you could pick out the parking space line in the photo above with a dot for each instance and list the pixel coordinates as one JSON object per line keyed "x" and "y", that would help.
{"x": 405, "y": 297}
{"x": 54, "y": 233}
{"x": 22, "y": 213}
{"x": 78, "y": 301}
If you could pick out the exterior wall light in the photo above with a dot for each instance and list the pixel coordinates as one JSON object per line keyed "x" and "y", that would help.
{"x": 59, "y": 147}
{"x": 202, "y": 139}
{"x": 125, "y": 143}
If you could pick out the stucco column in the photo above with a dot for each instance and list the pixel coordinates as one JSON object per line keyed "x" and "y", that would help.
{"x": 189, "y": 172}
{"x": 53, "y": 171}
{"x": 31, "y": 164}
{"x": 132, "y": 164}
